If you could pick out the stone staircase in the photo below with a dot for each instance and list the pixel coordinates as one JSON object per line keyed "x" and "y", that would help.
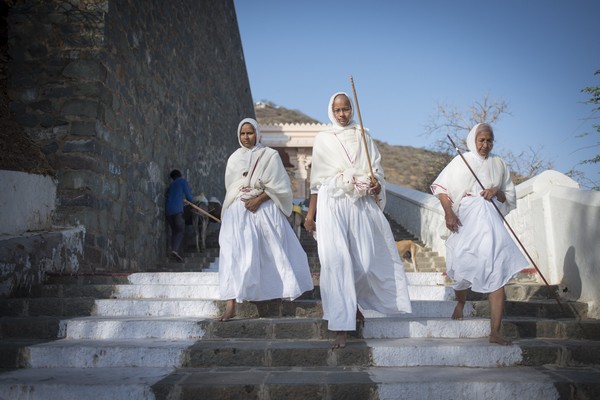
{"x": 155, "y": 336}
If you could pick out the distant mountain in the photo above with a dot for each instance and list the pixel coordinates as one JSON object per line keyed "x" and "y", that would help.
{"x": 269, "y": 113}
{"x": 406, "y": 166}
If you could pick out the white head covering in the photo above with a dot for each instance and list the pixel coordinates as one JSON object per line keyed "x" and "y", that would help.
{"x": 248, "y": 152}
{"x": 336, "y": 127}
{"x": 250, "y": 172}
{"x": 330, "y": 109}
{"x": 252, "y": 122}
{"x": 456, "y": 180}
{"x": 471, "y": 145}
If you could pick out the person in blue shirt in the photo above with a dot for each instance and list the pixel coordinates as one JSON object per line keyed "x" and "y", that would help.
{"x": 177, "y": 191}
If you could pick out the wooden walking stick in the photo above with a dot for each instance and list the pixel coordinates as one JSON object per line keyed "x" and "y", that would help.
{"x": 364, "y": 139}
{"x": 195, "y": 207}
{"x": 508, "y": 225}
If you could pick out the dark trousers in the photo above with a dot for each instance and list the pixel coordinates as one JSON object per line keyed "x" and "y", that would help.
{"x": 177, "y": 224}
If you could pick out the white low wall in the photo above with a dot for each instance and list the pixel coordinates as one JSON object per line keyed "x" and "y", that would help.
{"x": 558, "y": 224}
{"x": 27, "y": 202}
{"x": 420, "y": 213}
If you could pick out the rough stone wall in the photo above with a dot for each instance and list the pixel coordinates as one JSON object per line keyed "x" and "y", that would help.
{"x": 118, "y": 93}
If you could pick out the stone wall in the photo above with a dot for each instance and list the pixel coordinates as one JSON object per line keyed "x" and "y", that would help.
{"x": 118, "y": 93}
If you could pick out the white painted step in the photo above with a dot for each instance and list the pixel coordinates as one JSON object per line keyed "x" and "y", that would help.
{"x": 209, "y": 308}
{"x": 390, "y": 328}
{"x": 167, "y": 291}
{"x": 157, "y": 307}
{"x": 426, "y": 383}
{"x": 134, "y": 328}
{"x": 426, "y": 309}
{"x": 78, "y": 384}
{"x": 442, "y": 352}
{"x": 174, "y": 278}
{"x": 211, "y": 292}
{"x": 68, "y": 353}
{"x": 212, "y": 278}
{"x": 426, "y": 278}
{"x": 430, "y": 292}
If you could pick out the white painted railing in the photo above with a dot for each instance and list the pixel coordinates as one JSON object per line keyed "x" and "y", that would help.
{"x": 558, "y": 223}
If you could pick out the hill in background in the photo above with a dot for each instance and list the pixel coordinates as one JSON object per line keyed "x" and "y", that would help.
{"x": 407, "y": 166}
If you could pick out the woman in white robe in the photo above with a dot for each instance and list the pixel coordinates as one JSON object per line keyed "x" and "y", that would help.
{"x": 360, "y": 264}
{"x": 480, "y": 253}
{"x": 260, "y": 257}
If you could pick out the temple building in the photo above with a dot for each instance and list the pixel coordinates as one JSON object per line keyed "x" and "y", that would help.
{"x": 294, "y": 143}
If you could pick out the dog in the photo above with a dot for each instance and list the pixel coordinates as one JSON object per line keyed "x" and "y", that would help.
{"x": 408, "y": 251}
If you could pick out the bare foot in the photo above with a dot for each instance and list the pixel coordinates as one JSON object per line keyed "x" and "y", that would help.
{"x": 360, "y": 318}
{"x": 499, "y": 339}
{"x": 229, "y": 311}
{"x": 458, "y": 311}
{"x": 339, "y": 342}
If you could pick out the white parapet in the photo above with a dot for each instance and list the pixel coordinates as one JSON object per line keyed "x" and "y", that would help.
{"x": 27, "y": 202}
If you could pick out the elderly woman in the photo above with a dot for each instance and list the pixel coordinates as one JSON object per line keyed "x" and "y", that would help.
{"x": 260, "y": 256}
{"x": 480, "y": 254}
{"x": 360, "y": 265}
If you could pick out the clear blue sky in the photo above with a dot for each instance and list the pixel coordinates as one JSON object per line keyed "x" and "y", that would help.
{"x": 408, "y": 56}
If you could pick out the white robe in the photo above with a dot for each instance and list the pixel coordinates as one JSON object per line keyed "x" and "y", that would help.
{"x": 360, "y": 264}
{"x": 260, "y": 256}
{"x": 481, "y": 255}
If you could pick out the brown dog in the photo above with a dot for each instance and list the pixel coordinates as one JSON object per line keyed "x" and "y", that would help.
{"x": 408, "y": 251}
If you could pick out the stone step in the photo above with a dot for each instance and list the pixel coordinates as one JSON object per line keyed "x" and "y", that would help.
{"x": 69, "y": 353}
{"x": 512, "y": 327}
{"x": 101, "y": 286}
{"x": 383, "y": 383}
{"x": 539, "y": 308}
{"x": 13, "y": 352}
{"x": 372, "y": 352}
{"x": 87, "y": 279}
{"x": 43, "y": 327}
{"x": 81, "y": 383}
{"x": 480, "y": 353}
{"x": 203, "y": 308}
{"x": 46, "y": 306}
{"x": 531, "y": 327}
{"x": 117, "y": 328}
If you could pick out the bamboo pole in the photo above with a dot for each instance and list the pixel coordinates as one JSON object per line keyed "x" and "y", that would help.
{"x": 364, "y": 139}
{"x": 195, "y": 207}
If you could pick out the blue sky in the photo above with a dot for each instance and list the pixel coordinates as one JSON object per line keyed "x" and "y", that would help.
{"x": 408, "y": 56}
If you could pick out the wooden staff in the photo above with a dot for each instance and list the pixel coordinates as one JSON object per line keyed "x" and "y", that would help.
{"x": 195, "y": 207}
{"x": 364, "y": 139}
{"x": 507, "y": 225}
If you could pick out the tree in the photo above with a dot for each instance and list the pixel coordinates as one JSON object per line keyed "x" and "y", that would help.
{"x": 448, "y": 120}
{"x": 594, "y": 92}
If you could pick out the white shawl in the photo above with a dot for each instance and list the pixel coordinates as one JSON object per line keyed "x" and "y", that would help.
{"x": 250, "y": 172}
{"x": 456, "y": 180}
{"x": 339, "y": 160}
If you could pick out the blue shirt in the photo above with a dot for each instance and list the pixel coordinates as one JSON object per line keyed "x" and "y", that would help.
{"x": 177, "y": 190}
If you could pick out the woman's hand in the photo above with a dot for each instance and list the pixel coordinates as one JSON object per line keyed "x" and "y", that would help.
{"x": 490, "y": 193}
{"x": 309, "y": 222}
{"x": 310, "y": 225}
{"x": 452, "y": 221}
{"x": 254, "y": 203}
{"x": 375, "y": 187}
